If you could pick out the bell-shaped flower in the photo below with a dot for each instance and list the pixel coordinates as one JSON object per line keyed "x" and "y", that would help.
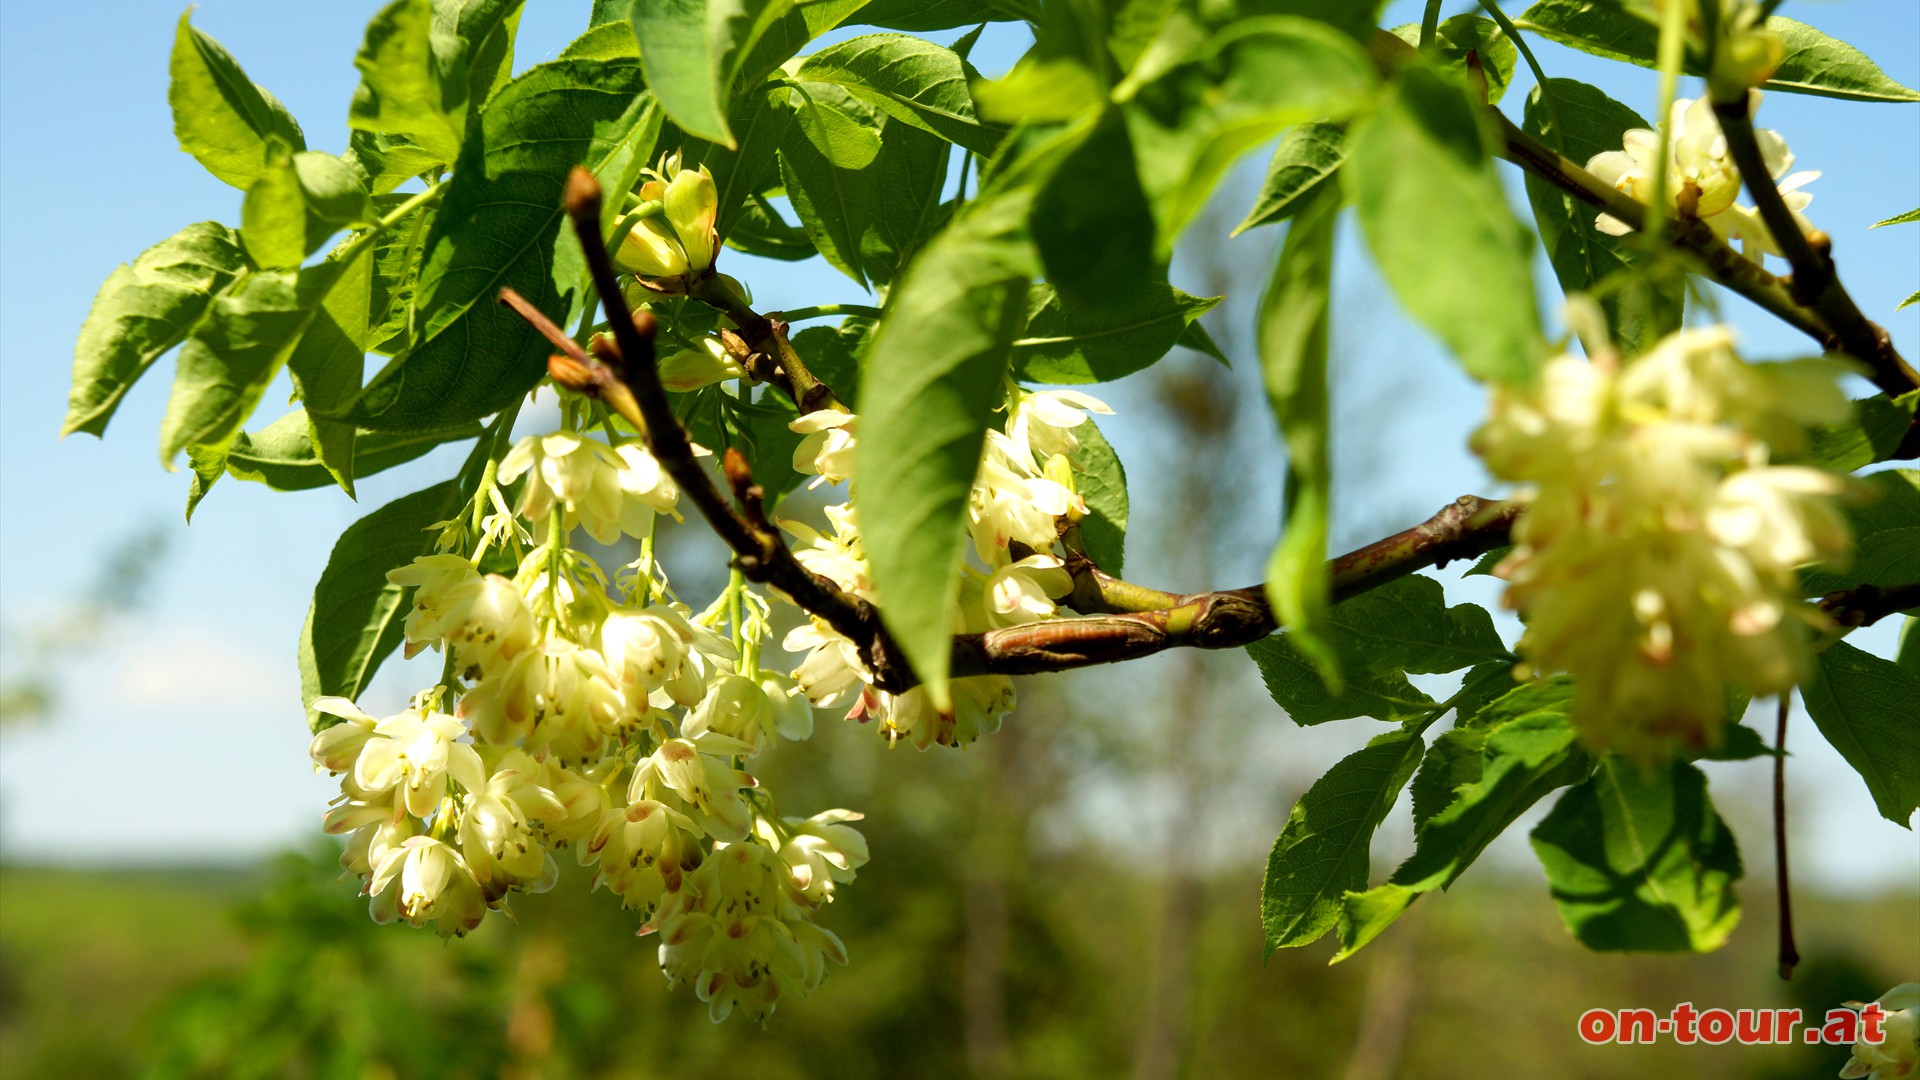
{"x": 336, "y": 748}
{"x": 438, "y": 581}
{"x": 497, "y": 833}
{"x": 826, "y": 450}
{"x": 490, "y": 624}
{"x": 425, "y": 880}
{"x": 1702, "y": 180}
{"x": 841, "y": 557}
{"x": 832, "y": 668}
{"x": 697, "y": 771}
{"x": 819, "y": 852}
{"x": 1897, "y": 1055}
{"x": 706, "y": 364}
{"x": 1657, "y": 559}
{"x": 693, "y": 206}
{"x": 414, "y": 752}
{"x": 1024, "y": 591}
{"x": 1043, "y": 421}
{"x": 644, "y": 648}
{"x": 1012, "y": 503}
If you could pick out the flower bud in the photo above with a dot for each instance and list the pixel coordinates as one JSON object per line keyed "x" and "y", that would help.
{"x": 691, "y": 369}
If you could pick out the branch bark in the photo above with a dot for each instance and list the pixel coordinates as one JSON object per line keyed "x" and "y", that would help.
{"x": 1814, "y": 284}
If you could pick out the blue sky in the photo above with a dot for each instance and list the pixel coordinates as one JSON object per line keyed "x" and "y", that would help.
{"x": 182, "y": 735}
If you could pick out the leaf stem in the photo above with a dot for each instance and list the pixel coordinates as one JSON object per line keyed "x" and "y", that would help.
{"x": 823, "y": 311}
{"x": 1789, "y": 953}
{"x": 1671, "y": 52}
{"x": 1429, "y": 24}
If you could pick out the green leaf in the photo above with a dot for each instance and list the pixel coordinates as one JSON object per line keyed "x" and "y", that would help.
{"x": 1094, "y": 227}
{"x": 934, "y": 375}
{"x": 1292, "y": 332}
{"x": 1873, "y": 434}
{"x": 760, "y": 120}
{"x": 1461, "y": 35}
{"x": 786, "y": 36}
{"x": 832, "y": 354}
{"x": 1247, "y": 84}
{"x": 1041, "y": 90}
{"x": 1102, "y": 485}
{"x": 922, "y": 15}
{"x": 824, "y": 155}
{"x": 143, "y": 310}
{"x": 1522, "y": 760}
{"x": 1580, "y": 121}
{"x": 207, "y": 464}
{"x": 685, "y": 65}
{"x": 1436, "y": 219}
{"x": 1295, "y": 684}
{"x": 220, "y": 116}
{"x": 357, "y": 616}
{"x": 913, "y": 81}
{"x": 329, "y": 363}
{"x": 1899, "y": 219}
{"x": 1451, "y": 763}
{"x": 499, "y": 225}
{"x": 1322, "y": 853}
{"x": 607, "y": 41}
{"x": 300, "y": 202}
{"x": 1407, "y": 624}
{"x": 1869, "y": 709}
{"x": 758, "y": 229}
{"x": 488, "y": 28}
{"x": 1063, "y": 345}
{"x": 395, "y": 273}
{"x": 413, "y": 80}
{"x": 1377, "y": 638}
{"x": 388, "y": 160}
{"x": 283, "y": 457}
{"x": 1307, "y": 156}
{"x": 1814, "y": 64}
{"x": 1886, "y": 532}
{"x": 694, "y": 50}
{"x": 1909, "y": 655}
{"x": 1640, "y": 862}
{"x": 235, "y": 351}
{"x": 1195, "y": 337}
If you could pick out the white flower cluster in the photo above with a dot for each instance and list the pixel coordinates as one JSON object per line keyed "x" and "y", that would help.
{"x": 1022, "y": 495}
{"x": 1702, "y": 180}
{"x": 610, "y": 721}
{"x": 1656, "y": 560}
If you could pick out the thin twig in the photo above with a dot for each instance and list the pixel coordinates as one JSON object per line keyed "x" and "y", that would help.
{"x": 1789, "y": 953}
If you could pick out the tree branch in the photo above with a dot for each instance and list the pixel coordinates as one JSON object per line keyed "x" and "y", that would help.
{"x": 1825, "y": 313}
{"x": 768, "y": 337}
{"x": 1131, "y": 621}
{"x": 624, "y": 375}
{"x": 1814, "y": 283}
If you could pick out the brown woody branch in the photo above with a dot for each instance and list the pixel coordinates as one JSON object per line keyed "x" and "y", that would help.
{"x": 623, "y": 373}
{"x": 771, "y": 357}
{"x": 1814, "y": 284}
{"x": 1132, "y": 621}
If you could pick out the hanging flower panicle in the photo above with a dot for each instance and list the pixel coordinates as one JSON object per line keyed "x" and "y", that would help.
{"x": 1657, "y": 559}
